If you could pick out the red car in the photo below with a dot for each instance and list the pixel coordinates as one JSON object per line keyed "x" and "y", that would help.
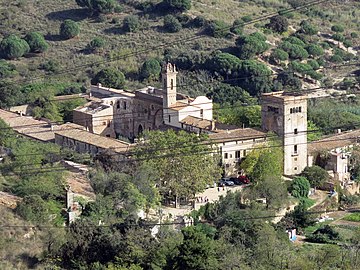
{"x": 244, "y": 179}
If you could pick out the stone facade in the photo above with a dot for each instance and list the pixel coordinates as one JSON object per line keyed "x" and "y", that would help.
{"x": 286, "y": 115}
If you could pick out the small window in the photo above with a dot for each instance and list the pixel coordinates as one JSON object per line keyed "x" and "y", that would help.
{"x": 118, "y": 105}
{"x": 226, "y": 155}
{"x": 244, "y": 153}
{"x": 295, "y": 169}
{"x": 182, "y": 125}
{"x": 104, "y": 123}
{"x": 295, "y": 149}
{"x": 296, "y": 109}
{"x": 124, "y": 105}
{"x": 108, "y": 123}
{"x": 201, "y": 113}
{"x": 299, "y": 109}
{"x": 237, "y": 154}
{"x": 291, "y": 110}
{"x": 152, "y": 107}
{"x": 295, "y": 131}
{"x": 295, "y": 159}
{"x": 230, "y": 155}
{"x": 108, "y": 135}
{"x": 172, "y": 84}
{"x": 169, "y": 118}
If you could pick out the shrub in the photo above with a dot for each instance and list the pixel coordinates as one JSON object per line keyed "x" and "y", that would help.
{"x": 36, "y": 42}
{"x": 95, "y": 44}
{"x": 278, "y": 24}
{"x": 354, "y": 35}
{"x": 279, "y": 55}
{"x": 177, "y": 5}
{"x": 109, "y": 77}
{"x": 171, "y": 24}
{"x": 295, "y": 51}
{"x": 6, "y": 69}
{"x": 150, "y": 69}
{"x": 315, "y": 50}
{"x": 314, "y": 64}
{"x": 13, "y": 47}
{"x": 69, "y": 29}
{"x": 308, "y": 28}
{"x": 218, "y": 29}
{"x": 337, "y": 28}
{"x": 338, "y": 37}
{"x": 246, "y": 18}
{"x": 131, "y": 23}
{"x": 51, "y": 66}
{"x": 199, "y": 21}
{"x": 336, "y": 59}
{"x": 100, "y": 6}
{"x": 237, "y": 27}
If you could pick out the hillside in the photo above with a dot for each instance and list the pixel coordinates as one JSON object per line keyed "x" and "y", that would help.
{"x": 45, "y": 16}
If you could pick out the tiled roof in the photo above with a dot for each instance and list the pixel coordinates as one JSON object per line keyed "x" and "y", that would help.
{"x": 77, "y": 133}
{"x": 28, "y": 126}
{"x": 237, "y": 134}
{"x": 196, "y": 122}
{"x": 334, "y": 141}
{"x": 178, "y": 106}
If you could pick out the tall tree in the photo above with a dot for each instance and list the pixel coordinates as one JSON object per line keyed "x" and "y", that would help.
{"x": 181, "y": 161}
{"x": 196, "y": 252}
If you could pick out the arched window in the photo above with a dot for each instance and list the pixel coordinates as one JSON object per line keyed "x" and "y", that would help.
{"x": 172, "y": 84}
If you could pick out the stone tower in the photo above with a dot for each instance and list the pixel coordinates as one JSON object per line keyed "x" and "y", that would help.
{"x": 286, "y": 115}
{"x": 169, "y": 85}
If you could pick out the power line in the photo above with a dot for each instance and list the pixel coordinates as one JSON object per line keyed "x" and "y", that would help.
{"x": 131, "y": 114}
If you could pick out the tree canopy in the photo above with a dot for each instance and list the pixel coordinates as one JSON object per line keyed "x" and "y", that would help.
{"x": 98, "y": 6}
{"x": 316, "y": 175}
{"x": 109, "y": 77}
{"x": 13, "y": 47}
{"x": 278, "y": 24}
{"x": 182, "y": 163}
{"x": 69, "y": 29}
{"x": 251, "y": 45}
{"x": 36, "y": 42}
{"x": 150, "y": 69}
{"x": 177, "y": 5}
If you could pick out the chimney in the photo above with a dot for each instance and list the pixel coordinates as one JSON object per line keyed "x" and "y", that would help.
{"x": 99, "y": 85}
{"x": 338, "y": 131}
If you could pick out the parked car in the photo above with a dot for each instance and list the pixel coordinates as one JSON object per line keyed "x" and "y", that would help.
{"x": 235, "y": 180}
{"x": 226, "y": 182}
{"x": 244, "y": 179}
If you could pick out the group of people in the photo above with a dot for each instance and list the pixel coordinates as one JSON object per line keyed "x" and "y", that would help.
{"x": 202, "y": 199}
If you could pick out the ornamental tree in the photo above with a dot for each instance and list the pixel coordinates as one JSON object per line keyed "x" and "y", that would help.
{"x": 36, "y": 42}
{"x": 13, "y": 47}
{"x": 109, "y": 77}
{"x": 69, "y": 29}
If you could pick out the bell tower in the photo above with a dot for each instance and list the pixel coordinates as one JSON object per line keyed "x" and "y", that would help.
{"x": 169, "y": 85}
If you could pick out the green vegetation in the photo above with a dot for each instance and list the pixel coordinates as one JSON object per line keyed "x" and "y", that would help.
{"x": 131, "y": 23}
{"x": 316, "y": 175}
{"x": 69, "y": 29}
{"x": 177, "y": 5}
{"x": 98, "y": 6}
{"x": 353, "y": 217}
{"x": 179, "y": 152}
{"x": 13, "y": 47}
{"x": 96, "y": 44}
{"x": 172, "y": 24}
{"x": 300, "y": 187}
{"x": 36, "y": 42}
{"x": 110, "y": 77}
{"x": 150, "y": 70}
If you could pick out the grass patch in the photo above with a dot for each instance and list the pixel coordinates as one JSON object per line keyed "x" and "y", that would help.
{"x": 353, "y": 217}
{"x": 307, "y": 202}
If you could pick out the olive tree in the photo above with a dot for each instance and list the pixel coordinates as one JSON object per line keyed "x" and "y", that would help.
{"x": 36, "y": 42}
